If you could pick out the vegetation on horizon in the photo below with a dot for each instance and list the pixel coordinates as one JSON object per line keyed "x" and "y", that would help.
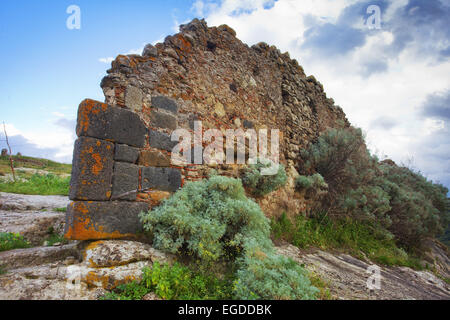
{"x": 34, "y": 163}
{"x": 35, "y": 176}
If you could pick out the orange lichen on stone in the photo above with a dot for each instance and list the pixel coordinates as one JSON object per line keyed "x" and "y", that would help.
{"x": 82, "y": 228}
{"x": 158, "y": 196}
{"x": 105, "y": 281}
{"x": 88, "y": 107}
{"x": 98, "y": 166}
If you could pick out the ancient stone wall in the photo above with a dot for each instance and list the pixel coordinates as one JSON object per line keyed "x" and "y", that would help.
{"x": 122, "y": 163}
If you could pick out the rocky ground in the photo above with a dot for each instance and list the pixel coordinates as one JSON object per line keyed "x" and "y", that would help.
{"x": 81, "y": 270}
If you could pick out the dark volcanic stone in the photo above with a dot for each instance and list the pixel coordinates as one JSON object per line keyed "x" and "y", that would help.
{"x": 99, "y": 120}
{"x": 163, "y": 120}
{"x": 165, "y": 103}
{"x": 248, "y": 124}
{"x": 164, "y": 179}
{"x": 91, "y": 220}
{"x": 125, "y": 181}
{"x": 92, "y": 169}
{"x": 126, "y": 153}
{"x": 160, "y": 140}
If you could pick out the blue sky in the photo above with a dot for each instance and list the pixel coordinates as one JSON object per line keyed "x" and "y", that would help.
{"x": 393, "y": 81}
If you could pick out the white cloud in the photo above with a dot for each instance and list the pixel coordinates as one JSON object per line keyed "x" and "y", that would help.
{"x": 106, "y": 60}
{"x": 369, "y": 82}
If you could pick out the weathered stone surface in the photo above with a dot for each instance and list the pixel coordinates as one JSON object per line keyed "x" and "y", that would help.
{"x": 114, "y": 253}
{"x": 88, "y": 220}
{"x": 126, "y": 153}
{"x": 133, "y": 98}
{"x": 125, "y": 181}
{"x": 34, "y": 226}
{"x": 165, "y": 103}
{"x": 71, "y": 272}
{"x": 160, "y": 140}
{"x": 22, "y": 202}
{"x": 21, "y": 258}
{"x": 92, "y": 169}
{"x": 154, "y": 158}
{"x": 347, "y": 277}
{"x": 248, "y": 124}
{"x": 164, "y": 179}
{"x": 99, "y": 120}
{"x": 163, "y": 120}
{"x": 150, "y": 51}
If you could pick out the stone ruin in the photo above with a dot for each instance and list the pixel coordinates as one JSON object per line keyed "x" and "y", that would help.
{"x": 122, "y": 157}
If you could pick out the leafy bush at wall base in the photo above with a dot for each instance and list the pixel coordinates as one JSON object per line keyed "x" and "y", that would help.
{"x": 419, "y": 208}
{"x": 175, "y": 282}
{"x": 260, "y": 184}
{"x": 213, "y": 221}
{"x": 360, "y": 187}
{"x": 206, "y": 220}
{"x": 347, "y": 235}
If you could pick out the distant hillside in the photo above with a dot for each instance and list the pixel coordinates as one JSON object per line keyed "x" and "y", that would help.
{"x": 34, "y": 176}
{"x": 33, "y": 163}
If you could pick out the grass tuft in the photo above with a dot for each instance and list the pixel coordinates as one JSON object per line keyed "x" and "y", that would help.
{"x": 356, "y": 238}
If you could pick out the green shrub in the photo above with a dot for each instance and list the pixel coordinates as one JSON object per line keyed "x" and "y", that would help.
{"x": 419, "y": 208}
{"x": 314, "y": 186}
{"x": 129, "y": 291}
{"x": 395, "y": 199}
{"x": 265, "y": 275}
{"x": 10, "y": 241}
{"x": 175, "y": 282}
{"x": 206, "y": 220}
{"x": 213, "y": 221}
{"x": 259, "y": 184}
{"x": 49, "y": 184}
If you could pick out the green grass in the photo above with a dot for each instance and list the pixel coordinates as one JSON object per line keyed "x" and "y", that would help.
{"x": 55, "y": 238}
{"x": 347, "y": 235}
{"x": 175, "y": 282}
{"x": 64, "y": 209}
{"x": 2, "y": 270}
{"x": 34, "y": 163}
{"x": 10, "y": 241}
{"x": 322, "y": 285}
{"x": 38, "y": 185}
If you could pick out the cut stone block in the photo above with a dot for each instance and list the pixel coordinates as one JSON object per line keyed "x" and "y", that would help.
{"x": 99, "y": 120}
{"x": 125, "y": 181}
{"x": 163, "y": 120}
{"x": 165, "y": 103}
{"x": 164, "y": 179}
{"x": 92, "y": 169}
{"x": 133, "y": 98}
{"x": 126, "y": 153}
{"x": 154, "y": 158}
{"x": 88, "y": 220}
{"x": 160, "y": 140}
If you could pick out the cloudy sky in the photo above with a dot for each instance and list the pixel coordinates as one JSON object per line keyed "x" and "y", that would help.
{"x": 392, "y": 80}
